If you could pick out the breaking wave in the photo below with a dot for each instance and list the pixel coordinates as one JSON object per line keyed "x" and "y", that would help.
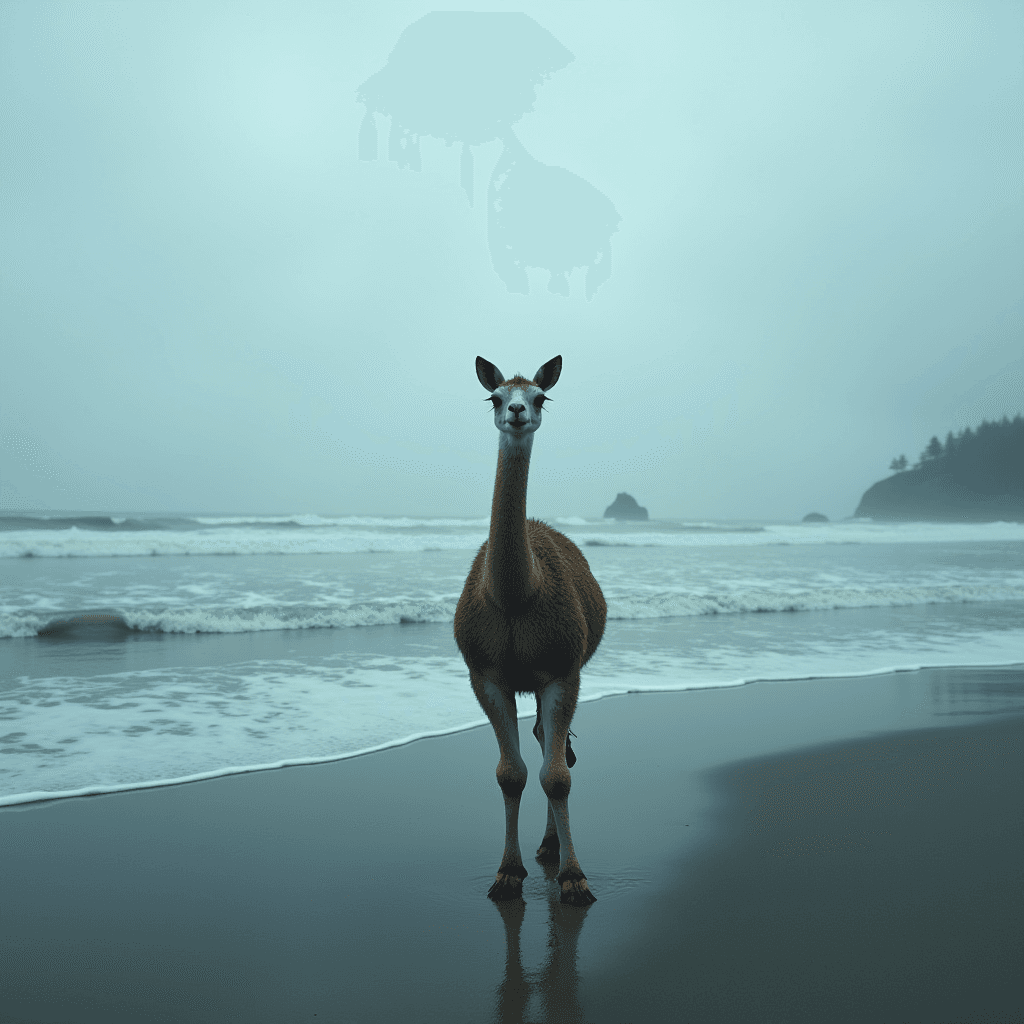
{"x": 229, "y": 619}
{"x": 107, "y": 536}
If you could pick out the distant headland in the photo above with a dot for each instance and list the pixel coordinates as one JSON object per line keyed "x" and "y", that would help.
{"x": 976, "y": 476}
{"x": 625, "y": 507}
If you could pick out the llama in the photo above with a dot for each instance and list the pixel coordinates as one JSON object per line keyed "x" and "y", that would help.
{"x": 530, "y": 617}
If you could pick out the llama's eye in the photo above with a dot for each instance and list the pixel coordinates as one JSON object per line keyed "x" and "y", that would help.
{"x": 496, "y": 402}
{"x": 538, "y": 402}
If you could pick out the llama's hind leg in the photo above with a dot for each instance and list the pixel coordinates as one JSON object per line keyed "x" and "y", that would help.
{"x": 500, "y": 708}
{"x": 558, "y": 702}
{"x": 548, "y": 851}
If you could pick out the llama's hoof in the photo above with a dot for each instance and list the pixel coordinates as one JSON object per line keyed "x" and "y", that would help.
{"x": 576, "y": 893}
{"x": 548, "y": 852}
{"x": 506, "y": 887}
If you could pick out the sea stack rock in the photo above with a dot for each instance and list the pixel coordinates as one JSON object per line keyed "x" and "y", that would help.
{"x": 625, "y": 507}
{"x": 815, "y": 517}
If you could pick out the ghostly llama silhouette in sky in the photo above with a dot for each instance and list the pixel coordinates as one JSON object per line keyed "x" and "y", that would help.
{"x": 468, "y": 77}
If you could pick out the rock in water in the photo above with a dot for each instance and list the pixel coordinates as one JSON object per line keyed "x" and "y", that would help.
{"x": 815, "y": 517}
{"x": 625, "y": 507}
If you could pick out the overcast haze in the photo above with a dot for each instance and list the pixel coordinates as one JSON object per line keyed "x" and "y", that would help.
{"x": 208, "y": 302}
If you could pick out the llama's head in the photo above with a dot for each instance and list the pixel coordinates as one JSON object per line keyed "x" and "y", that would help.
{"x": 518, "y": 402}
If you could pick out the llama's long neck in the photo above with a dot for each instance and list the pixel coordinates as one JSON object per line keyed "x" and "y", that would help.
{"x": 511, "y": 576}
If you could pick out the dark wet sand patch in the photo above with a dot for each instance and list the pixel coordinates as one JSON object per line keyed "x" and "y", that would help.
{"x": 871, "y": 880}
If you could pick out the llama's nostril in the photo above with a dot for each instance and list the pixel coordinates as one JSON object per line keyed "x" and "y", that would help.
{"x": 516, "y": 410}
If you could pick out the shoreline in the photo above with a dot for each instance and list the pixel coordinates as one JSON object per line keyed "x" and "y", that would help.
{"x": 355, "y": 889}
{"x": 31, "y": 799}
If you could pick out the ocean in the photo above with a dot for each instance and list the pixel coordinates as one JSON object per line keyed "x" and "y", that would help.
{"x": 142, "y": 650}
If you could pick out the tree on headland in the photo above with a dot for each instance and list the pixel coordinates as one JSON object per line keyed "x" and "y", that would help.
{"x": 995, "y": 441}
{"x": 932, "y": 451}
{"x": 976, "y": 476}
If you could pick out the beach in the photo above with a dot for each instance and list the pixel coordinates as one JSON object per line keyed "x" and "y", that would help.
{"x": 838, "y": 849}
{"x": 253, "y": 444}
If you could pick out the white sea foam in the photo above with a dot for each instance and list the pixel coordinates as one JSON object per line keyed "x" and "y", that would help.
{"x": 823, "y": 599}
{"x": 310, "y": 519}
{"x": 328, "y": 541}
{"x": 855, "y": 532}
{"x": 389, "y": 611}
{"x": 72, "y": 736}
{"x": 318, "y": 535}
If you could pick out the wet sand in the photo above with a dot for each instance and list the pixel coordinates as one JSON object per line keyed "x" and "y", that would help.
{"x": 875, "y": 880}
{"x": 821, "y": 850}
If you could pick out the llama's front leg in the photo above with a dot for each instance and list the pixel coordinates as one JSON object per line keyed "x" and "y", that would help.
{"x": 548, "y": 851}
{"x": 511, "y": 772}
{"x": 558, "y": 702}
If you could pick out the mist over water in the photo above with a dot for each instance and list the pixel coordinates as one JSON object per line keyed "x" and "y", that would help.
{"x": 775, "y": 244}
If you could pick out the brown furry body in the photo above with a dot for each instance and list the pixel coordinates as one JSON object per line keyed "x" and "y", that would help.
{"x": 551, "y": 635}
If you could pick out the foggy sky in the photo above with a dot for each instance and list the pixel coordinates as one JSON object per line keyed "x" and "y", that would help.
{"x": 209, "y": 303}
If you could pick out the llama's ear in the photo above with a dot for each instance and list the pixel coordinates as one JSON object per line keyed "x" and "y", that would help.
{"x": 488, "y": 374}
{"x": 547, "y": 376}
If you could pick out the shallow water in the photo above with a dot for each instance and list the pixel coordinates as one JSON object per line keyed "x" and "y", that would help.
{"x": 131, "y": 670}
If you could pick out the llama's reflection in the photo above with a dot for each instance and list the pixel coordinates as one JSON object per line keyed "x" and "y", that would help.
{"x": 556, "y": 983}
{"x": 468, "y": 77}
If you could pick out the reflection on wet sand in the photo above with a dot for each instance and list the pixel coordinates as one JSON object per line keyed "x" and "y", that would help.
{"x": 556, "y": 984}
